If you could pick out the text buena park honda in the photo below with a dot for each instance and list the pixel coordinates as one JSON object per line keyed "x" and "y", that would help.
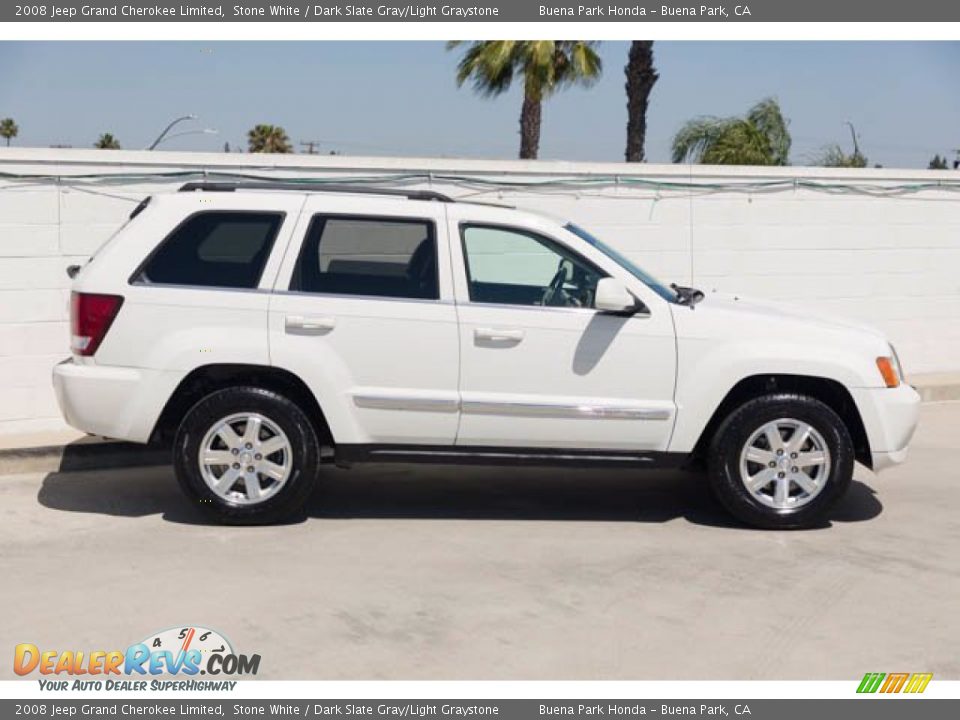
{"x": 638, "y": 709}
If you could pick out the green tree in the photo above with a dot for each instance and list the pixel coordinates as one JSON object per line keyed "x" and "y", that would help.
{"x": 268, "y": 139}
{"x": 641, "y": 77}
{"x": 759, "y": 138}
{"x": 834, "y": 156}
{"x": 8, "y": 130}
{"x": 938, "y": 163}
{"x": 107, "y": 142}
{"x": 546, "y": 66}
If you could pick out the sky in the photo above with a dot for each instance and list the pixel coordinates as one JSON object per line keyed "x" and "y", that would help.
{"x": 400, "y": 98}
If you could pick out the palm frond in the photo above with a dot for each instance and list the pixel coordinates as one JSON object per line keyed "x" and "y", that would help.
{"x": 768, "y": 118}
{"x": 759, "y": 138}
{"x": 695, "y": 137}
{"x": 741, "y": 143}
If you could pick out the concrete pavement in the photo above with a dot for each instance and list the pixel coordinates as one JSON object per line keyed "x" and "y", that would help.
{"x": 452, "y": 573}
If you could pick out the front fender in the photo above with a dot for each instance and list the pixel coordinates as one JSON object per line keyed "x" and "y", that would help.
{"x": 707, "y": 371}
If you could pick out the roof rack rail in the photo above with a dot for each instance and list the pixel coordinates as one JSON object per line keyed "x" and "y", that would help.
{"x": 202, "y": 186}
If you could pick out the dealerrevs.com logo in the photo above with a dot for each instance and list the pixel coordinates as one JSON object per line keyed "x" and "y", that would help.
{"x": 183, "y": 651}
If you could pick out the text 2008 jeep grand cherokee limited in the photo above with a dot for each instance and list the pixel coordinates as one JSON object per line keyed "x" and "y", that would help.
{"x": 265, "y": 329}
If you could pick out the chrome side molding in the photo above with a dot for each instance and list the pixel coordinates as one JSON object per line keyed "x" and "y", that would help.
{"x": 576, "y": 411}
{"x": 421, "y": 403}
{"x": 563, "y": 410}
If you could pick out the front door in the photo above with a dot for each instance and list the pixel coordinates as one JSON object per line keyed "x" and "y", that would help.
{"x": 539, "y": 366}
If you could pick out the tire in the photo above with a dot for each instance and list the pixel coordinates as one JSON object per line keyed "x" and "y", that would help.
{"x": 284, "y": 474}
{"x": 817, "y": 476}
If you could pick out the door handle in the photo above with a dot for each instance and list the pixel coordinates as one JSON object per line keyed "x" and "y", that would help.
{"x": 498, "y": 335}
{"x": 310, "y": 324}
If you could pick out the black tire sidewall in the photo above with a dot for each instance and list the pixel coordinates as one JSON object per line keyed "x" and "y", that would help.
{"x": 724, "y": 465}
{"x": 287, "y": 415}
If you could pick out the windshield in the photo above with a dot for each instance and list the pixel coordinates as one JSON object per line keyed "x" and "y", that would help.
{"x": 642, "y": 275}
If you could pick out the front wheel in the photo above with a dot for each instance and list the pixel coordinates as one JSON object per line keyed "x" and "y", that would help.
{"x": 781, "y": 461}
{"x": 247, "y": 456}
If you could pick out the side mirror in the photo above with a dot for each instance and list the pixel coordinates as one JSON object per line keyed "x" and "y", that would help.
{"x": 613, "y": 297}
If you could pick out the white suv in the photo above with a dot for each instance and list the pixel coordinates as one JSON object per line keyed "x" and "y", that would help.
{"x": 266, "y": 329}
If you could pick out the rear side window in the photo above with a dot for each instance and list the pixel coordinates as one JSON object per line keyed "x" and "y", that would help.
{"x": 214, "y": 249}
{"x": 381, "y": 257}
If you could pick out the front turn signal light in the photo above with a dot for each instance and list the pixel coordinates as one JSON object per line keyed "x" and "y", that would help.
{"x": 889, "y": 372}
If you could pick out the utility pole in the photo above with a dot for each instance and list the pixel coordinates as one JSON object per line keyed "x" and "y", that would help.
{"x": 311, "y": 146}
{"x": 853, "y": 134}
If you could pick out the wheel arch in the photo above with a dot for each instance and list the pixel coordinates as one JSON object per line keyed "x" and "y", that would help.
{"x": 203, "y": 380}
{"x": 830, "y": 392}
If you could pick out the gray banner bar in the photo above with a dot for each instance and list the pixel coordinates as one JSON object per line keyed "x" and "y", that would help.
{"x": 874, "y": 708}
{"x": 483, "y": 11}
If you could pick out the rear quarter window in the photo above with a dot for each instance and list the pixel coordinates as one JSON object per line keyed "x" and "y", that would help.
{"x": 213, "y": 249}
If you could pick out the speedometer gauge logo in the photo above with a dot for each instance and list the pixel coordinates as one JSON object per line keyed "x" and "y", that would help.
{"x": 184, "y": 639}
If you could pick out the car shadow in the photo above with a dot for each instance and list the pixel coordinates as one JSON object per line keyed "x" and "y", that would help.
{"x": 443, "y": 493}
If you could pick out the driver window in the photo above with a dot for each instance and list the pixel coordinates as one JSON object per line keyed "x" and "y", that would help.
{"x": 515, "y": 267}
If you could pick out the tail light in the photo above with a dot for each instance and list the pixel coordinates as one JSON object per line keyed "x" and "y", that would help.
{"x": 90, "y": 318}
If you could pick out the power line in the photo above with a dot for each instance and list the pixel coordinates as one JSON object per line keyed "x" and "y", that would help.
{"x": 481, "y": 184}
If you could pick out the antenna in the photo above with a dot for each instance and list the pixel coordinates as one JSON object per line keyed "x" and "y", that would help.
{"x": 311, "y": 146}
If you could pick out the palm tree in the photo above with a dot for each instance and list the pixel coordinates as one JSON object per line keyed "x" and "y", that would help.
{"x": 107, "y": 142}
{"x": 641, "y": 77}
{"x": 268, "y": 139}
{"x": 8, "y": 129}
{"x": 546, "y": 66}
{"x": 759, "y": 138}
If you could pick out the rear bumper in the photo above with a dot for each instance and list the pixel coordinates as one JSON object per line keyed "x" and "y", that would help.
{"x": 115, "y": 402}
{"x": 890, "y": 418}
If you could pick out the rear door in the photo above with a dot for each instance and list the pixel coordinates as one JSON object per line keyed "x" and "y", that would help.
{"x": 363, "y": 312}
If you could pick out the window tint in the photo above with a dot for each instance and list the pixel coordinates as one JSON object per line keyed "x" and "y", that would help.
{"x": 514, "y": 267}
{"x": 382, "y": 257}
{"x": 214, "y": 249}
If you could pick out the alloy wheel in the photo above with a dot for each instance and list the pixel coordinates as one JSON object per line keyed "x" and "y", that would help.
{"x": 785, "y": 464}
{"x": 245, "y": 458}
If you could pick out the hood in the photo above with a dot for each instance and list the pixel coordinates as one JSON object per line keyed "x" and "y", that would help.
{"x": 773, "y": 310}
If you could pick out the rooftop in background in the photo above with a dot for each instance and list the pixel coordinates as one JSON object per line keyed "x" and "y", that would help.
{"x": 64, "y": 163}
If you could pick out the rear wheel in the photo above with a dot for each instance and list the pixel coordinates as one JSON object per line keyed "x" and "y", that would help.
{"x": 247, "y": 456}
{"x": 781, "y": 461}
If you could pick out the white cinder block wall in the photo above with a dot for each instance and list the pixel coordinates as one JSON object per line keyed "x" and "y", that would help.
{"x": 892, "y": 260}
